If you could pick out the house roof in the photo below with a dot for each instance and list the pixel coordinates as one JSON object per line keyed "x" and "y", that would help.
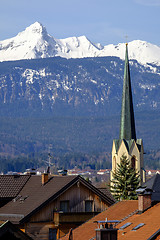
{"x": 149, "y": 218}
{"x": 107, "y": 193}
{"x": 10, "y": 231}
{"x": 118, "y": 211}
{"x": 11, "y": 185}
{"x": 154, "y": 184}
{"x": 34, "y": 196}
{"x": 126, "y": 212}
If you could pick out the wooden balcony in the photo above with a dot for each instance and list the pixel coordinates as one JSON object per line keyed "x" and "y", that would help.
{"x": 72, "y": 217}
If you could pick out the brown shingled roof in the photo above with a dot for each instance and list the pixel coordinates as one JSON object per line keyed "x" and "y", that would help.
{"x": 107, "y": 192}
{"x": 11, "y": 185}
{"x": 10, "y": 231}
{"x": 117, "y": 211}
{"x": 34, "y": 196}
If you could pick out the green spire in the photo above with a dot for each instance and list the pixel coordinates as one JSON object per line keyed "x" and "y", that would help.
{"x": 127, "y": 126}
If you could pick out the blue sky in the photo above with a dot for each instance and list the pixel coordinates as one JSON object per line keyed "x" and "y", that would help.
{"x": 103, "y": 21}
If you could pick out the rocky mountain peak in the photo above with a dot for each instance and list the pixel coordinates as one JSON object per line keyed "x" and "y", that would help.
{"x": 34, "y": 30}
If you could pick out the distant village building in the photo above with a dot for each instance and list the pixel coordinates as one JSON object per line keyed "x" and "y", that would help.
{"x": 103, "y": 171}
{"x": 152, "y": 172}
{"x": 128, "y": 144}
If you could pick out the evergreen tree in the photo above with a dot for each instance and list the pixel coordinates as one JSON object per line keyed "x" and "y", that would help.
{"x": 125, "y": 182}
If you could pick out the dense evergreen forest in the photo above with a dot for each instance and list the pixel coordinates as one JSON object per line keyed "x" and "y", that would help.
{"x": 72, "y": 141}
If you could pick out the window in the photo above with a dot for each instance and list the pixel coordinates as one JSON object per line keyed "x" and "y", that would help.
{"x": 138, "y": 226}
{"x": 133, "y": 162}
{"x": 64, "y": 206}
{"x": 114, "y": 163}
{"x": 88, "y": 206}
{"x": 52, "y": 233}
{"x": 125, "y": 226}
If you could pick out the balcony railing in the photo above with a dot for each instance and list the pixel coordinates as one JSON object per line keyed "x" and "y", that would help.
{"x": 72, "y": 217}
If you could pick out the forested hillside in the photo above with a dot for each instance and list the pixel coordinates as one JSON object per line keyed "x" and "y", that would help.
{"x": 72, "y": 141}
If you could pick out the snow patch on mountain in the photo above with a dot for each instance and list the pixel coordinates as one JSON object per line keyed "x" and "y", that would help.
{"x": 34, "y": 42}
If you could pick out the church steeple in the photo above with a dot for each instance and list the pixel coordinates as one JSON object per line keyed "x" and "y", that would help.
{"x": 128, "y": 144}
{"x": 127, "y": 125}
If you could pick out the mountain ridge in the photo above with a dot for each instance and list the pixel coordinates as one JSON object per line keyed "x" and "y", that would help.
{"x": 35, "y": 42}
{"x": 69, "y": 87}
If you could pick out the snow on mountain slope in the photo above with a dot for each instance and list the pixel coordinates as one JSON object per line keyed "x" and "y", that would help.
{"x": 139, "y": 50}
{"x": 77, "y": 47}
{"x": 35, "y": 42}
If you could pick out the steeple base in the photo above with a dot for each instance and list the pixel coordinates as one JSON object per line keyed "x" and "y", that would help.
{"x": 133, "y": 150}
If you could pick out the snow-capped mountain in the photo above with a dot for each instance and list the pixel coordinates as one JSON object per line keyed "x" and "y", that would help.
{"x": 34, "y": 42}
{"x": 141, "y": 51}
{"x": 73, "y": 84}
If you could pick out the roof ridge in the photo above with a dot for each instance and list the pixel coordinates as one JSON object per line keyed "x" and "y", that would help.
{"x": 98, "y": 192}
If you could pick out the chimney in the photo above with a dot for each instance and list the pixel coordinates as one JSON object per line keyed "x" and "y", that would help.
{"x": 144, "y": 199}
{"x": 106, "y": 231}
{"x": 44, "y": 178}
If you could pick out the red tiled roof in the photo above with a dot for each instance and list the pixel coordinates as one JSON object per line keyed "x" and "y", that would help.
{"x": 116, "y": 212}
{"x": 151, "y": 220}
{"x": 122, "y": 211}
